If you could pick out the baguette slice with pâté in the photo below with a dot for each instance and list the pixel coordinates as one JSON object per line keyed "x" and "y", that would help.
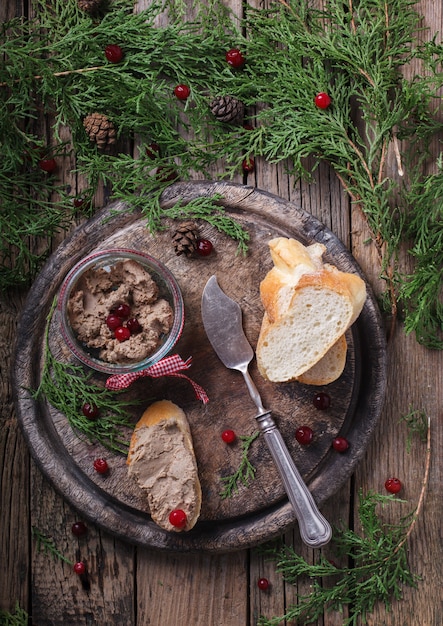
{"x": 161, "y": 458}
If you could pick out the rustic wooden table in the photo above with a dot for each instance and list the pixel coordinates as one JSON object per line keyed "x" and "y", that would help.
{"x": 138, "y": 585}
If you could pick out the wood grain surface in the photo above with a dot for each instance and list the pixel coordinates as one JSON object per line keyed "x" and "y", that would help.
{"x": 132, "y": 585}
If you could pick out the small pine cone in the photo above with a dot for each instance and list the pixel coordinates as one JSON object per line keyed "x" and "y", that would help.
{"x": 90, "y": 6}
{"x": 100, "y": 130}
{"x": 227, "y": 109}
{"x": 185, "y": 239}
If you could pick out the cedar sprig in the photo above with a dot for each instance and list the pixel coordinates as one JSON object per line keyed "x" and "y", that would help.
{"x": 245, "y": 471}
{"x": 46, "y": 544}
{"x": 378, "y": 573}
{"x": 417, "y": 422}
{"x": 67, "y": 387}
{"x": 18, "y": 618}
{"x": 377, "y": 567}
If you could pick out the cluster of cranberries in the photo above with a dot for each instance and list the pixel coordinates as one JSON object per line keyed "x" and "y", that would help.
{"x": 121, "y": 323}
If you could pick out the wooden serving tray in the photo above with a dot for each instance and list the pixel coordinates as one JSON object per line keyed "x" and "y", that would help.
{"x": 257, "y": 512}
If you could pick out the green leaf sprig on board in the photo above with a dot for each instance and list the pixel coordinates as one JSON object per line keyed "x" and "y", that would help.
{"x": 54, "y": 64}
{"x": 376, "y": 565}
{"x": 18, "y": 618}
{"x": 46, "y": 544}
{"x": 245, "y": 471}
{"x": 67, "y": 387}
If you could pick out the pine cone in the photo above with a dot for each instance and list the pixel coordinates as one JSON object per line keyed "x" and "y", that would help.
{"x": 100, "y": 130}
{"x": 185, "y": 239}
{"x": 90, "y": 6}
{"x": 227, "y": 109}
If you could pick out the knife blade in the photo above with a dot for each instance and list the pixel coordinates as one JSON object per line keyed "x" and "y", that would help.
{"x": 222, "y": 320}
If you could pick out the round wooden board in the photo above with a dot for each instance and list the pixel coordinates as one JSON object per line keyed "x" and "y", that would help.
{"x": 257, "y": 512}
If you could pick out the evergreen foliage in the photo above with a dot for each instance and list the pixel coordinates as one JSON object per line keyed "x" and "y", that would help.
{"x": 54, "y": 65}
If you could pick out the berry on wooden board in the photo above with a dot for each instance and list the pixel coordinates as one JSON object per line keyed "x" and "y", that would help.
{"x": 79, "y": 529}
{"x": 322, "y": 100}
{"x": 101, "y": 466}
{"x": 321, "y": 401}
{"x": 178, "y": 518}
{"x": 203, "y": 247}
{"x": 182, "y": 92}
{"x": 304, "y": 435}
{"x": 393, "y": 485}
{"x": 235, "y": 58}
{"x": 80, "y": 568}
{"x": 340, "y": 444}
{"x": 113, "y": 53}
{"x": 263, "y": 584}
{"x": 228, "y": 436}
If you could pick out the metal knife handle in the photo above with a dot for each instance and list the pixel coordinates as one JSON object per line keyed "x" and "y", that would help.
{"x": 315, "y": 531}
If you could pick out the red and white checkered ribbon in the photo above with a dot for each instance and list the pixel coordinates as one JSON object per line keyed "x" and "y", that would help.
{"x": 169, "y": 366}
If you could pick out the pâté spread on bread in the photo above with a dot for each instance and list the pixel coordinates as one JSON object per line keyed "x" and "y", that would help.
{"x": 118, "y": 312}
{"x": 309, "y": 305}
{"x": 162, "y": 461}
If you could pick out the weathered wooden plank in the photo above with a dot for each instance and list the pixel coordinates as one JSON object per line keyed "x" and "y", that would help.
{"x": 105, "y": 595}
{"x": 199, "y": 589}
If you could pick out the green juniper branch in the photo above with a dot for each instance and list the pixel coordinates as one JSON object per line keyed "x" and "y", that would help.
{"x": 46, "y": 544}
{"x": 245, "y": 471}
{"x": 55, "y": 64}
{"x": 18, "y": 618}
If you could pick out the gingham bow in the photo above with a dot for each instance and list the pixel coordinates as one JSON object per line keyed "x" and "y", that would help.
{"x": 169, "y": 366}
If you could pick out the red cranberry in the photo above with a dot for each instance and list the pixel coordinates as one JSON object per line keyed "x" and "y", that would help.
{"x": 235, "y": 58}
{"x": 248, "y": 165}
{"x": 80, "y": 568}
{"x": 178, "y": 518}
{"x": 133, "y": 325}
{"x": 113, "y": 321}
{"x": 166, "y": 174}
{"x": 91, "y": 411}
{"x": 122, "y": 310}
{"x": 153, "y": 150}
{"x": 182, "y": 92}
{"x": 322, "y": 100}
{"x": 204, "y": 247}
{"x": 263, "y": 584}
{"x": 340, "y": 444}
{"x": 79, "y": 529}
{"x": 321, "y": 401}
{"x": 122, "y": 333}
{"x": 113, "y": 53}
{"x": 393, "y": 485}
{"x": 48, "y": 165}
{"x": 228, "y": 436}
{"x": 304, "y": 435}
{"x": 78, "y": 202}
{"x": 101, "y": 466}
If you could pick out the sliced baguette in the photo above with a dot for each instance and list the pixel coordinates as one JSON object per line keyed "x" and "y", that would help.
{"x": 161, "y": 458}
{"x": 308, "y": 307}
{"x": 329, "y": 368}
